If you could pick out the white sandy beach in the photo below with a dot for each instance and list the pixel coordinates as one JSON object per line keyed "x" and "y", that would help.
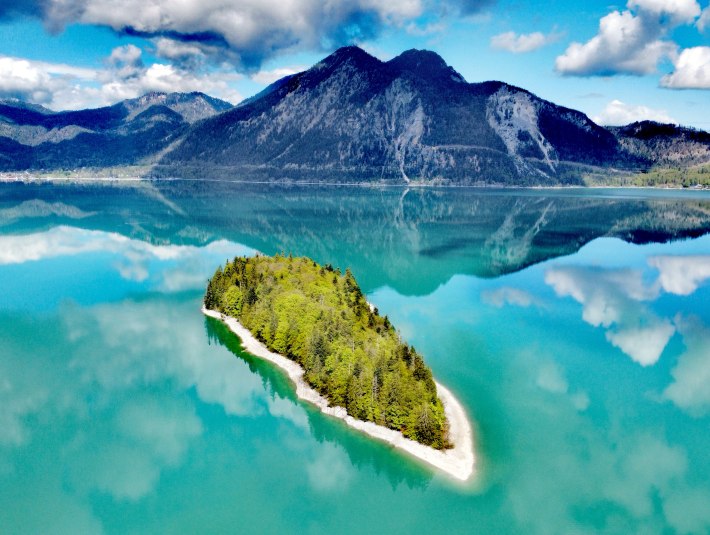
{"x": 457, "y": 462}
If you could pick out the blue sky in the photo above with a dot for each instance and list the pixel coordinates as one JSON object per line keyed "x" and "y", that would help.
{"x": 617, "y": 63}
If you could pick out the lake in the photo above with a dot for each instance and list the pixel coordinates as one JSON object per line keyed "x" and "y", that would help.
{"x": 573, "y": 325}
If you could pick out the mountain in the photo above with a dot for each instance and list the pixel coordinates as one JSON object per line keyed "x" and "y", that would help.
{"x": 127, "y": 133}
{"x": 664, "y": 144}
{"x": 356, "y": 118}
{"x": 353, "y": 118}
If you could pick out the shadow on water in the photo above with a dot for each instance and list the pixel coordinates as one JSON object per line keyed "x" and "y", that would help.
{"x": 361, "y": 450}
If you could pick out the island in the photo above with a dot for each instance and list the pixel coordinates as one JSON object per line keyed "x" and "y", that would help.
{"x": 315, "y": 323}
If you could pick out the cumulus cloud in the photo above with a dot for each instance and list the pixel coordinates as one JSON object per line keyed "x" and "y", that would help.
{"x": 508, "y": 296}
{"x": 677, "y": 11}
{"x": 270, "y": 76}
{"x": 246, "y": 31}
{"x": 148, "y": 436}
{"x": 681, "y": 275}
{"x": 630, "y": 41}
{"x": 692, "y": 70}
{"x": 619, "y": 113}
{"x": 613, "y": 299}
{"x": 168, "y": 268}
{"x": 519, "y": 44}
{"x": 643, "y": 344}
{"x": 125, "y": 76}
{"x": 551, "y": 378}
{"x": 691, "y": 376}
{"x": 330, "y": 470}
{"x": 191, "y": 56}
{"x": 426, "y": 29}
{"x": 20, "y": 78}
{"x": 704, "y": 21}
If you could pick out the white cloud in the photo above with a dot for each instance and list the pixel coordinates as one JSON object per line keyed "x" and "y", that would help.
{"x": 704, "y": 20}
{"x": 168, "y": 268}
{"x": 643, "y": 344}
{"x": 168, "y": 78}
{"x": 630, "y": 41}
{"x": 551, "y": 379}
{"x": 330, "y": 470}
{"x": 692, "y": 70}
{"x": 613, "y": 299}
{"x": 147, "y": 437}
{"x": 508, "y": 296}
{"x": 428, "y": 29}
{"x": 21, "y": 78}
{"x": 61, "y": 87}
{"x": 624, "y": 44}
{"x": 248, "y": 30}
{"x": 678, "y": 11}
{"x": 687, "y": 509}
{"x": 177, "y": 50}
{"x": 270, "y": 76}
{"x": 681, "y": 275}
{"x": 519, "y": 44}
{"x": 607, "y": 295}
{"x": 691, "y": 376}
{"x": 618, "y": 113}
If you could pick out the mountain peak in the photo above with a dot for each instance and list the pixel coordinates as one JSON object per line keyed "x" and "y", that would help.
{"x": 424, "y": 62}
{"x": 348, "y": 54}
{"x": 418, "y": 58}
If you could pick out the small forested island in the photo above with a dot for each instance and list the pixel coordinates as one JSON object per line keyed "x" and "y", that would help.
{"x": 318, "y": 318}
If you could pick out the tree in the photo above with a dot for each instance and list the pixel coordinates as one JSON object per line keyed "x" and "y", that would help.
{"x": 351, "y": 355}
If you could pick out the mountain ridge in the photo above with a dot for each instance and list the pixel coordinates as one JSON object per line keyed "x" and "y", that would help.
{"x": 126, "y": 133}
{"x": 354, "y": 118}
{"x": 410, "y": 118}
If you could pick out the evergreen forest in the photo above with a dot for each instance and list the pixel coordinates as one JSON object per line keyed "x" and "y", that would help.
{"x": 319, "y": 317}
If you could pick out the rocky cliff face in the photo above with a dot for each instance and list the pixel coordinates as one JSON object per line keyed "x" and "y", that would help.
{"x": 413, "y": 118}
{"x": 350, "y": 118}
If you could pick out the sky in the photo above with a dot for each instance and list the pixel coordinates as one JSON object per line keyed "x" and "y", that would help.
{"x": 618, "y": 63}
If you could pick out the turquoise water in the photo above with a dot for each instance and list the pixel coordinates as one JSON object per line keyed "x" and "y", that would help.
{"x": 574, "y": 326}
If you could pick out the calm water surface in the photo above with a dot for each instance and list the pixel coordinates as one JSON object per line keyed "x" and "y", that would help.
{"x": 573, "y": 325}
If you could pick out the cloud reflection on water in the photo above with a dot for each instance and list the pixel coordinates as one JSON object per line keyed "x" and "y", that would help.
{"x": 613, "y": 299}
{"x": 690, "y": 389}
{"x": 681, "y": 275}
{"x": 166, "y": 268}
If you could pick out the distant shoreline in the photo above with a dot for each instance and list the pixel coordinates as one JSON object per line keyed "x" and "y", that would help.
{"x": 413, "y": 185}
{"x": 457, "y": 462}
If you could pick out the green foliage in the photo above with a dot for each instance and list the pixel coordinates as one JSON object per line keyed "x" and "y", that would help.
{"x": 319, "y": 317}
{"x": 658, "y": 176}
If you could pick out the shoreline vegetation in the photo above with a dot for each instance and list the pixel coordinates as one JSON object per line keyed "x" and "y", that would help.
{"x": 351, "y": 361}
{"x": 457, "y": 461}
{"x": 639, "y": 182}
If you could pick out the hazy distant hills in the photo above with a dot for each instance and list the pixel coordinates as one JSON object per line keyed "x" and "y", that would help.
{"x": 354, "y": 118}
{"x": 128, "y": 133}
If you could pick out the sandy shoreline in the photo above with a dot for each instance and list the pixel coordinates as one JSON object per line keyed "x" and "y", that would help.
{"x": 457, "y": 462}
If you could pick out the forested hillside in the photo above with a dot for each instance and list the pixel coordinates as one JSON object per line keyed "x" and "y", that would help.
{"x": 319, "y": 317}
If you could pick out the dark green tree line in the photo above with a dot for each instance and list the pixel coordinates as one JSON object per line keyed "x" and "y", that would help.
{"x": 319, "y": 317}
